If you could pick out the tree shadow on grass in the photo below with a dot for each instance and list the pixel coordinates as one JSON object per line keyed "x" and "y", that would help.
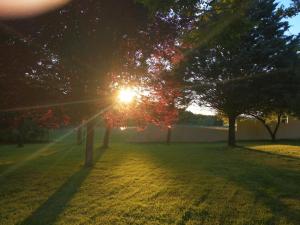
{"x": 49, "y": 211}
{"x": 272, "y": 185}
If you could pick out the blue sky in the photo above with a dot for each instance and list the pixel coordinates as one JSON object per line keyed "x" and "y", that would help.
{"x": 294, "y": 29}
{"x": 295, "y": 21}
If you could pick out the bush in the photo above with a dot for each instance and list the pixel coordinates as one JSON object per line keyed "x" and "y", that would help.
{"x": 29, "y": 131}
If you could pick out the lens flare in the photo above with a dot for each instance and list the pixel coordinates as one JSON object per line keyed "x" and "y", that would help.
{"x": 27, "y": 8}
{"x": 123, "y": 128}
{"x": 126, "y": 95}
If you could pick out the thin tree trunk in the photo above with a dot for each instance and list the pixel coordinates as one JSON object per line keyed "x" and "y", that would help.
{"x": 169, "y": 134}
{"x": 231, "y": 131}
{"x": 79, "y": 134}
{"x": 106, "y": 137}
{"x": 273, "y": 138}
{"x": 90, "y": 130}
{"x": 271, "y": 133}
{"x": 277, "y": 127}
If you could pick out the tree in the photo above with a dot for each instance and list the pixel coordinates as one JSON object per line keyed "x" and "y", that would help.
{"x": 295, "y": 102}
{"x": 186, "y": 117}
{"x": 32, "y": 124}
{"x": 25, "y": 71}
{"x": 101, "y": 44}
{"x": 243, "y": 42}
{"x": 154, "y": 103}
{"x": 89, "y": 40}
{"x": 276, "y": 99}
{"x": 271, "y": 122}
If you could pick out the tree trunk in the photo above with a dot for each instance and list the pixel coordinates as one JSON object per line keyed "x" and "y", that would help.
{"x": 277, "y": 127}
{"x": 90, "y": 126}
{"x": 269, "y": 129}
{"x": 273, "y": 137}
{"x": 79, "y": 134}
{"x": 106, "y": 137}
{"x": 231, "y": 131}
{"x": 169, "y": 134}
{"x": 271, "y": 133}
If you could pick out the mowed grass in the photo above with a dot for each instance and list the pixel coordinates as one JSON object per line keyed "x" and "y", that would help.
{"x": 150, "y": 184}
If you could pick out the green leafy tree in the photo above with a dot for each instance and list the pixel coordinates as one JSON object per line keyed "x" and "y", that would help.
{"x": 295, "y": 102}
{"x": 244, "y": 45}
{"x": 186, "y": 117}
{"x": 275, "y": 100}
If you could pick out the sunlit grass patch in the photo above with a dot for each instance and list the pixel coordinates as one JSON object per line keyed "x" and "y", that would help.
{"x": 150, "y": 184}
{"x": 292, "y": 150}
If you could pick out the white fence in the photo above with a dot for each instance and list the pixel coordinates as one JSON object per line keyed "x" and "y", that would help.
{"x": 180, "y": 134}
{"x": 246, "y": 130}
{"x": 254, "y": 130}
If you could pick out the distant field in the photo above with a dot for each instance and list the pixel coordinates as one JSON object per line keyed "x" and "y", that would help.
{"x": 150, "y": 184}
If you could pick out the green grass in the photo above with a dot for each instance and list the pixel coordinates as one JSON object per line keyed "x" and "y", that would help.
{"x": 151, "y": 184}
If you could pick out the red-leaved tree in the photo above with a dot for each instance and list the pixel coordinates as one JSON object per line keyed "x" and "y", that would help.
{"x": 154, "y": 103}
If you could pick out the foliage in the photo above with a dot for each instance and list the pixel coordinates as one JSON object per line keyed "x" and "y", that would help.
{"x": 83, "y": 44}
{"x": 184, "y": 8}
{"x": 292, "y": 10}
{"x": 245, "y": 62}
{"x": 29, "y": 73}
{"x": 295, "y": 101}
{"x": 155, "y": 103}
{"x": 186, "y": 117}
{"x": 30, "y": 130}
{"x": 30, "y": 125}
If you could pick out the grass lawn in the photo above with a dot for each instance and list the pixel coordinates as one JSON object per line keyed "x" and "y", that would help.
{"x": 151, "y": 184}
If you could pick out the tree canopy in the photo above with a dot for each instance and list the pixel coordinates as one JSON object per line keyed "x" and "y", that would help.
{"x": 242, "y": 60}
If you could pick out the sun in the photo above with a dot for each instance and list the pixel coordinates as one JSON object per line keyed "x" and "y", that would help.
{"x": 126, "y": 95}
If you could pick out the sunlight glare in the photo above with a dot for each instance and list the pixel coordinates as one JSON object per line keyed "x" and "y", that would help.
{"x": 126, "y": 95}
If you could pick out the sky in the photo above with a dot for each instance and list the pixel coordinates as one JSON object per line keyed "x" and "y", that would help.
{"x": 294, "y": 29}
{"x": 294, "y": 22}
